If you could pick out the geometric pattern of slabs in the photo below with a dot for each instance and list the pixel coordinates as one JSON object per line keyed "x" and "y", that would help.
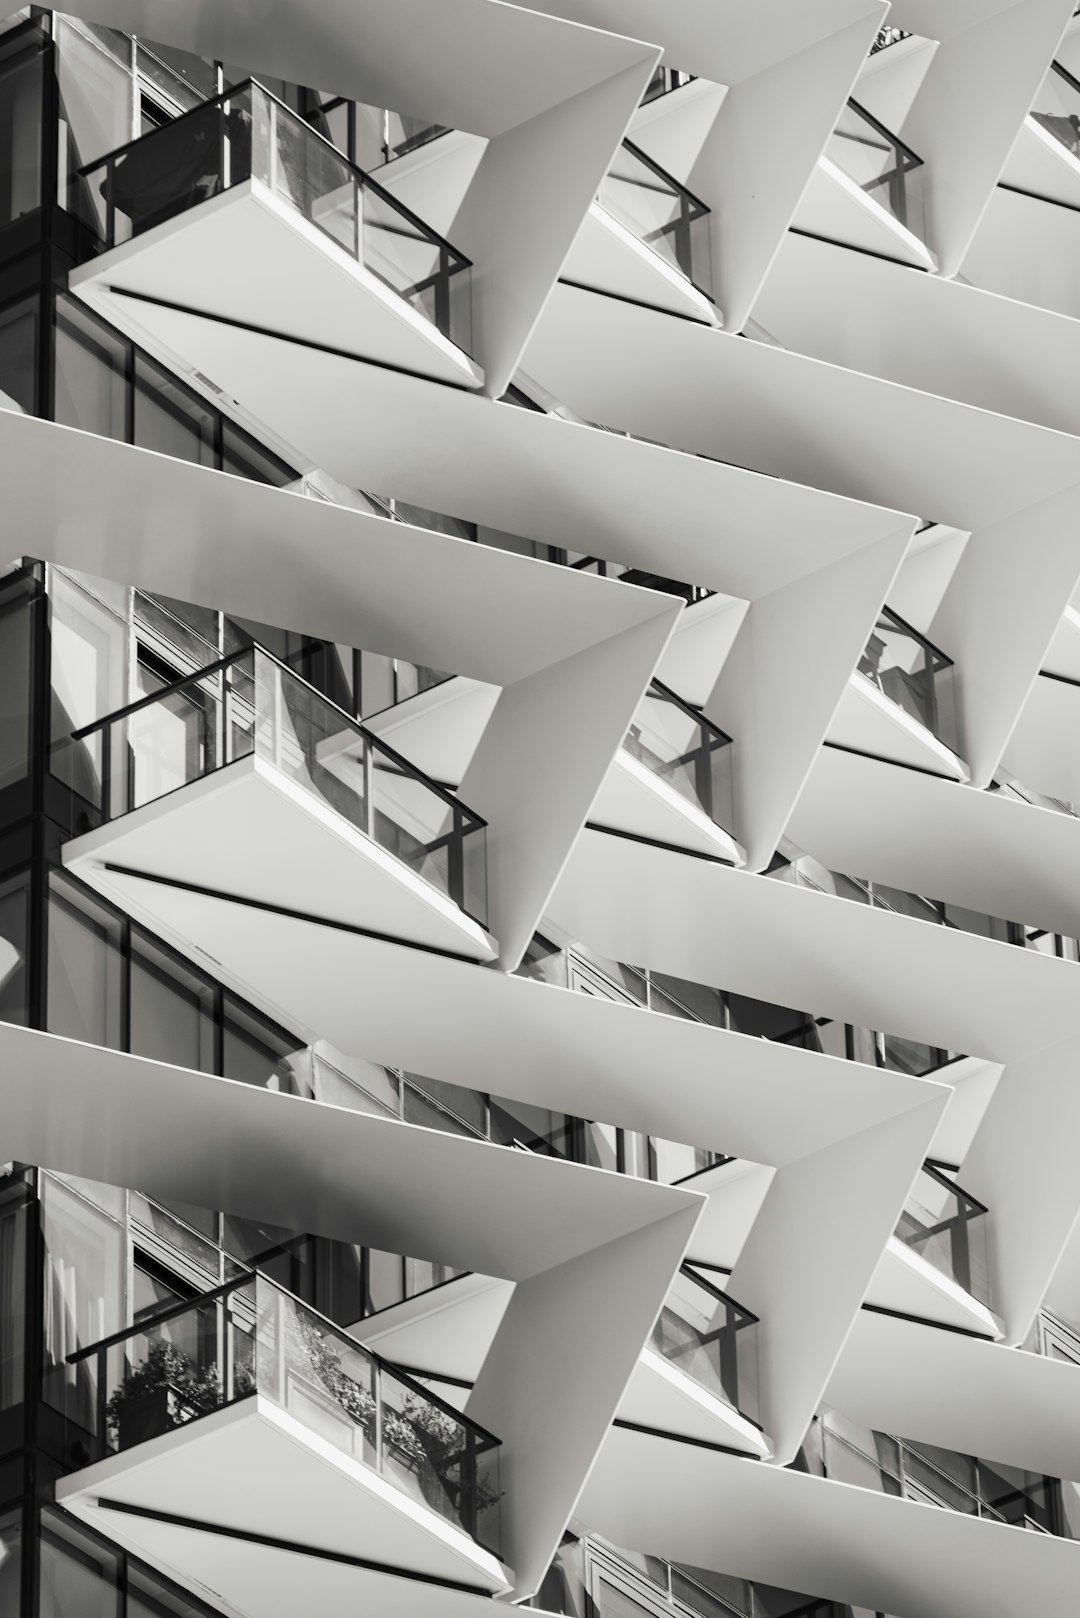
{"x": 786, "y": 459}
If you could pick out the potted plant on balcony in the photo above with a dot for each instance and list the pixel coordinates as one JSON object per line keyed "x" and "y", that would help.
{"x": 165, "y": 1391}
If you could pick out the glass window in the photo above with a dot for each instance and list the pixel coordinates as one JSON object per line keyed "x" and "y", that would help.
{"x": 148, "y": 1597}
{"x": 386, "y": 1280}
{"x": 90, "y": 373}
{"x": 17, "y": 608}
{"x": 241, "y": 454}
{"x": 10, "y": 1546}
{"x": 18, "y": 354}
{"x": 170, "y": 419}
{"x": 14, "y": 929}
{"x": 22, "y": 64}
{"x": 85, "y": 1255}
{"x": 88, "y": 668}
{"x": 85, "y": 986}
{"x": 95, "y": 114}
{"x": 13, "y": 1239}
{"x": 172, "y": 1009}
{"x": 79, "y": 1575}
{"x": 255, "y": 1052}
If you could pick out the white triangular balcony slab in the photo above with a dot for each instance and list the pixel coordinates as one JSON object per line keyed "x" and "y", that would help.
{"x": 867, "y": 721}
{"x": 254, "y": 1468}
{"x": 834, "y": 207}
{"x": 634, "y": 800}
{"x": 246, "y": 255}
{"x": 1042, "y": 750}
{"x": 447, "y": 1329}
{"x": 608, "y": 257}
{"x": 661, "y": 1396}
{"x": 227, "y": 832}
{"x": 906, "y": 1283}
{"x": 1043, "y": 166}
{"x": 438, "y": 730}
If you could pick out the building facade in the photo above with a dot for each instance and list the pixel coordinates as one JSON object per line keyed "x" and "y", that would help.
{"x": 538, "y": 797}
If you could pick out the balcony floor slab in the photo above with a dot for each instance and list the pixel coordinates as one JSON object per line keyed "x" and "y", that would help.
{"x": 247, "y": 255}
{"x": 253, "y": 1468}
{"x": 227, "y": 832}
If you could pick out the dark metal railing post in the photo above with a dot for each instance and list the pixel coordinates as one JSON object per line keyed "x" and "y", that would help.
{"x": 110, "y": 203}
{"x": 442, "y": 292}
{"x": 101, "y": 1362}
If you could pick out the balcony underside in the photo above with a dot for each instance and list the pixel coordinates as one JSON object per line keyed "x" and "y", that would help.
{"x": 255, "y": 1469}
{"x": 985, "y": 850}
{"x": 800, "y": 1532}
{"x": 608, "y": 256}
{"x": 248, "y": 830}
{"x": 245, "y": 255}
{"x": 1042, "y": 750}
{"x": 867, "y": 721}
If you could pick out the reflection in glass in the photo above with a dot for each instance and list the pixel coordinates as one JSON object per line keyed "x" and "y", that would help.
{"x": 880, "y": 164}
{"x": 913, "y": 673}
{"x": 659, "y": 212}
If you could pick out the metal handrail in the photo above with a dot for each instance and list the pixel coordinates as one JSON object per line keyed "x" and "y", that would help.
{"x": 882, "y": 129}
{"x": 1070, "y": 79}
{"x": 691, "y": 710}
{"x": 669, "y": 180}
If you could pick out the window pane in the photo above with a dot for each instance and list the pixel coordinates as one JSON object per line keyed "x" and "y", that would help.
{"x": 258, "y": 1053}
{"x": 89, "y": 656}
{"x": 170, "y": 419}
{"x": 17, "y": 608}
{"x": 18, "y": 354}
{"x": 91, "y": 367}
{"x": 10, "y": 1538}
{"x": 21, "y": 80}
{"x": 84, "y": 1293}
{"x": 78, "y": 1576}
{"x": 85, "y": 991}
{"x": 172, "y": 1009}
{"x": 13, "y": 1238}
{"x": 14, "y": 928}
{"x": 241, "y": 454}
{"x": 95, "y": 115}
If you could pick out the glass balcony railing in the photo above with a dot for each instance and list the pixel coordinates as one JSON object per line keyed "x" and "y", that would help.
{"x": 913, "y": 673}
{"x": 246, "y": 134}
{"x": 250, "y": 1337}
{"x": 946, "y": 1226}
{"x": 659, "y": 212}
{"x": 249, "y": 703}
{"x": 402, "y": 134}
{"x": 1057, "y": 107}
{"x": 845, "y": 1450}
{"x": 663, "y": 81}
{"x": 681, "y": 747}
{"x": 705, "y": 1333}
{"x": 880, "y": 164}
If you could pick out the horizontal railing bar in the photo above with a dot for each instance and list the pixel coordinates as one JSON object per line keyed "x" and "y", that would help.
{"x": 171, "y": 1312}
{"x": 901, "y": 146}
{"x": 669, "y": 179}
{"x": 156, "y": 696}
